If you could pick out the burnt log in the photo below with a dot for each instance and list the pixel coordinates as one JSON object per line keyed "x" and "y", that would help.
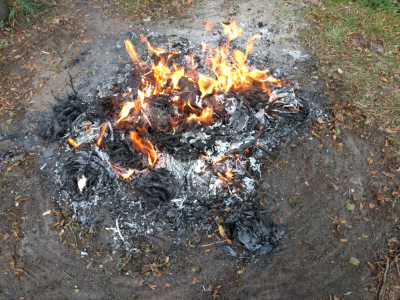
{"x": 4, "y": 11}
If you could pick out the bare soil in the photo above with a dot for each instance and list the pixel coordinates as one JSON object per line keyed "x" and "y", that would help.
{"x": 40, "y": 258}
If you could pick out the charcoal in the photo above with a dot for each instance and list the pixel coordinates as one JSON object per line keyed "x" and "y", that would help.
{"x": 227, "y": 250}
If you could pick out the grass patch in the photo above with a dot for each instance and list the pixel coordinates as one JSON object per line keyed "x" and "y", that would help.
{"x": 358, "y": 47}
{"x": 156, "y": 8}
{"x": 28, "y": 10}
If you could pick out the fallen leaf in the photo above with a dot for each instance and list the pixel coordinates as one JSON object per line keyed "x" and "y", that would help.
{"x": 9, "y": 121}
{"x": 153, "y": 287}
{"x": 280, "y": 221}
{"x": 288, "y": 213}
{"x": 221, "y": 229}
{"x": 343, "y": 240}
{"x": 371, "y": 206}
{"x": 335, "y": 187}
{"x": 195, "y": 281}
{"x": 76, "y": 291}
{"x": 141, "y": 282}
{"x": 343, "y": 221}
{"x": 207, "y": 250}
{"x": 340, "y": 71}
{"x": 47, "y": 212}
{"x": 209, "y": 25}
{"x": 319, "y": 120}
{"x": 369, "y": 160}
{"x": 350, "y": 206}
{"x": 373, "y": 269}
{"x": 167, "y": 284}
{"x": 392, "y": 239}
{"x": 6, "y": 236}
{"x": 353, "y": 261}
{"x": 372, "y": 172}
{"x": 241, "y": 271}
{"x": 379, "y": 197}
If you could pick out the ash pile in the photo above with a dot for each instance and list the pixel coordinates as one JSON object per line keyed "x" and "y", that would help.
{"x": 175, "y": 142}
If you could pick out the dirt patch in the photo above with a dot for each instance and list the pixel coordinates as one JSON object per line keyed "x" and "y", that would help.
{"x": 324, "y": 187}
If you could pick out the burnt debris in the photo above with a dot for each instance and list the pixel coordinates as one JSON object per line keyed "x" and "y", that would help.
{"x": 177, "y": 158}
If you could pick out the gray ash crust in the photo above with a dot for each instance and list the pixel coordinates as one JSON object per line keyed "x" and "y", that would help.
{"x": 171, "y": 198}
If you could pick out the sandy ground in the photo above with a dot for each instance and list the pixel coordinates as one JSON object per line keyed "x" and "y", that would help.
{"x": 319, "y": 174}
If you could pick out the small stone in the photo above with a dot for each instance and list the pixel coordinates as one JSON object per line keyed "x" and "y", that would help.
{"x": 353, "y": 261}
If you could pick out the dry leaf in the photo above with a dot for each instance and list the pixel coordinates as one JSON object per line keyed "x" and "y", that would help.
{"x": 47, "y": 212}
{"x": 241, "y": 271}
{"x": 6, "y": 236}
{"x": 343, "y": 240}
{"x": 288, "y": 212}
{"x": 167, "y": 284}
{"x": 207, "y": 250}
{"x": 209, "y": 25}
{"x": 141, "y": 282}
{"x": 392, "y": 239}
{"x": 335, "y": 187}
{"x": 369, "y": 160}
{"x": 221, "y": 229}
{"x": 153, "y": 287}
{"x": 195, "y": 281}
{"x": 372, "y": 206}
{"x": 319, "y": 120}
{"x": 340, "y": 71}
{"x": 373, "y": 269}
{"x": 280, "y": 221}
{"x": 372, "y": 172}
{"x": 379, "y": 197}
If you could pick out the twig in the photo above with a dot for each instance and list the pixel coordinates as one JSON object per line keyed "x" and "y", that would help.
{"x": 212, "y": 244}
{"x": 76, "y": 242}
{"x": 384, "y": 281}
{"x": 266, "y": 151}
{"x": 372, "y": 226}
{"x": 279, "y": 167}
{"x": 248, "y": 174}
{"x": 280, "y": 153}
{"x": 119, "y": 232}
{"x": 52, "y": 92}
{"x": 72, "y": 85}
{"x": 68, "y": 274}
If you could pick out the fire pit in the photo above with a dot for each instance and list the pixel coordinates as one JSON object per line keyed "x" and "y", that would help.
{"x": 174, "y": 143}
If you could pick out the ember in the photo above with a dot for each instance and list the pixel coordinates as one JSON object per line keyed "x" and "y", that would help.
{"x": 183, "y": 130}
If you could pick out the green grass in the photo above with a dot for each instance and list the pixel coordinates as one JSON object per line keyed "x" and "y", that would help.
{"x": 362, "y": 41}
{"x": 4, "y": 43}
{"x": 26, "y": 10}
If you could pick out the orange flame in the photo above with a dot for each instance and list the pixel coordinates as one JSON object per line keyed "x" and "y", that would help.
{"x": 144, "y": 146}
{"x": 127, "y": 174}
{"x": 132, "y": 52}
{"x": 232, "y": 30}
{"x": 229, "y": 174}
{"x": 206, "y": 85}
{"x": 250, "y": 44}
{"x": 73, "y": 143}
{"x": 206, "y": 116}
{"x": 220, "y": 159}
{"x": 125, "y": 111}
{"x": 101, "y": 135}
